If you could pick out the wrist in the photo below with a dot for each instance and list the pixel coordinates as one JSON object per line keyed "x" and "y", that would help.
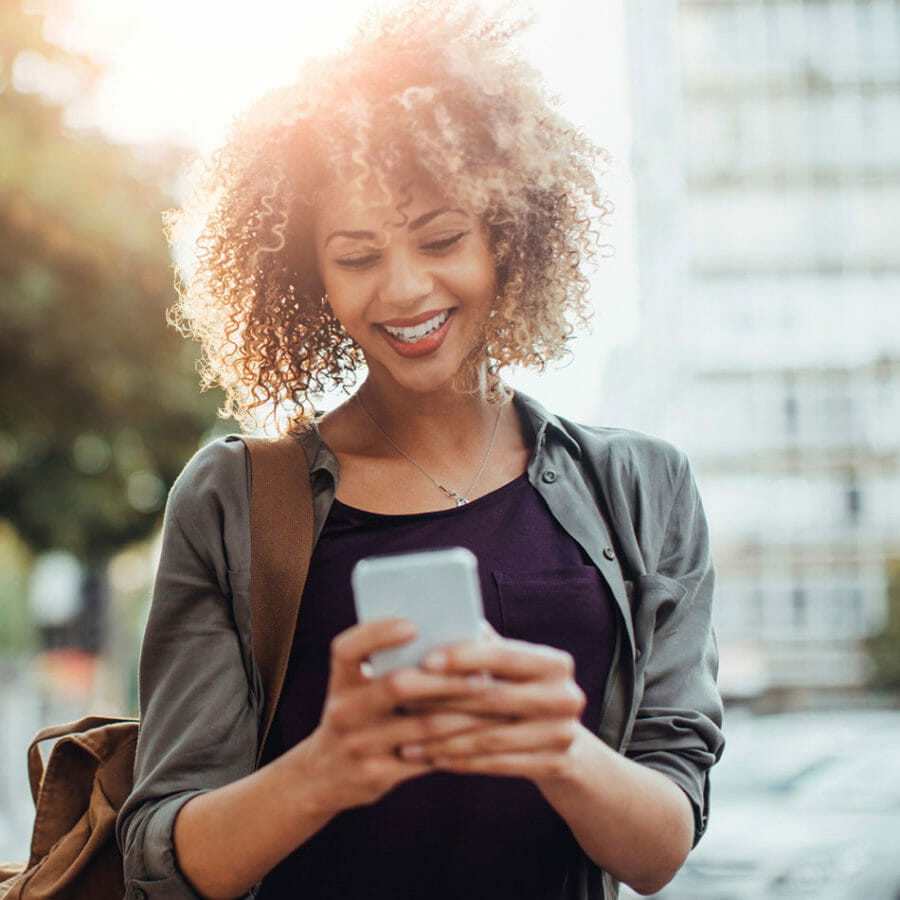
{"x": 580, "y": 758}
{"x": 310, "y": 790}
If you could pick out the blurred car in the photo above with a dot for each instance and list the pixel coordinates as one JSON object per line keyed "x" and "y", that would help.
{"x": 803, "y": 805}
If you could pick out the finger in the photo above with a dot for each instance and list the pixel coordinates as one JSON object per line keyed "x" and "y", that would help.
{"x": 549, "y": 764}
{"x": 352, "y": 646}
{"x": 509, "y": 659}
{"x": 413, "y": 687}
{"x": 520, "y": 737}
{"x": 560, "y": 699}
{"x": 356, "y": 706}
{"x": 388, "y": 736}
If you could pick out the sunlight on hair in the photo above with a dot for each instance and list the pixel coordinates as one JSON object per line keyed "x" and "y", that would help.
{"x": 176, "y": 72}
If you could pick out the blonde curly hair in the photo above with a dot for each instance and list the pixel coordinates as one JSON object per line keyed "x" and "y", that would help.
{"x": 425, "y": 94}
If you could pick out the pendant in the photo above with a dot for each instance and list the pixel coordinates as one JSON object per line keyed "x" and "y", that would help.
{"x": 461, "y": 501}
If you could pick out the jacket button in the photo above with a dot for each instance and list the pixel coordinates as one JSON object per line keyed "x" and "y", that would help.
{"x": 608, "y": 553}
{"x": 549, "y": 476}
{"x": 138, "y": 894}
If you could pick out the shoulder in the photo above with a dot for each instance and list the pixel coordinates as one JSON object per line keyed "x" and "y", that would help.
{"x": 620, "y": 452}
{"x": 218, "y": 475}
{"x": 610, "y": 454}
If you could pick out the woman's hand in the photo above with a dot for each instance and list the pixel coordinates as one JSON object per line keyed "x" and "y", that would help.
{"x": 349, "y": 760}
{"x": 530, "y": 707}
{"x": 629, "y": 819}
{"x": 352, "y": 757}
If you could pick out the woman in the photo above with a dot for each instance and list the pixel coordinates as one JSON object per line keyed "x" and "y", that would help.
{"x": 416, "y": 205}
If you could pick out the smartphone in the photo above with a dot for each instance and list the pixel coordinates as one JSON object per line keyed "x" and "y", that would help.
{"x": 438, "y": 590}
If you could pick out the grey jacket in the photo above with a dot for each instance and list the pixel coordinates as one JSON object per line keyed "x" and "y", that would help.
{"x": 628, "y": 499}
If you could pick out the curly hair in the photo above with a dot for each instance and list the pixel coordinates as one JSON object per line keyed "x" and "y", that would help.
{"x": 424, "y": 94}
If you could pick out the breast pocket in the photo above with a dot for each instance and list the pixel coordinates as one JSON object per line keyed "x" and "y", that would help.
{"x": 567, "y": 608}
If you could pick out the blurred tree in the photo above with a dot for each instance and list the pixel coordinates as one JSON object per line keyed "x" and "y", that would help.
{"x": 884, "y": 647}
{"x": 99, "y": 404}
{"x": 16, "y": 628}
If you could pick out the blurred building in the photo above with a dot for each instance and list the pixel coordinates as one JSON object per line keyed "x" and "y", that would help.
{"x": 766, "y": 157}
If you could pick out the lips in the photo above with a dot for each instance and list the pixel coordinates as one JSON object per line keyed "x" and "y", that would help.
{"x": 420, "y": 335}
{"x": 410, "y": 334}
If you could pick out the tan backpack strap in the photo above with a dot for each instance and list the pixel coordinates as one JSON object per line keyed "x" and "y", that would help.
{"x": 281, "y": 538}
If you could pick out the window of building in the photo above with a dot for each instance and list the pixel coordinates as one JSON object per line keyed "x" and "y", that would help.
{"x": 854, "y": 501}
{"x": 791, "y": 412}
{"x": 837, "y": 412}
{"x": 799, "y": 608}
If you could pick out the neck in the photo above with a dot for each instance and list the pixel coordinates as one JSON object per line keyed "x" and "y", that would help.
{"x": 443, "y": 422}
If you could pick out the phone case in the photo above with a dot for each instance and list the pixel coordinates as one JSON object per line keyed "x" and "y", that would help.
{"x": 438, "y": 590}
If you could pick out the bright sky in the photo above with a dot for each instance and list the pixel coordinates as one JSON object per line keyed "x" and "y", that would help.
{"x": 178, "y": 70}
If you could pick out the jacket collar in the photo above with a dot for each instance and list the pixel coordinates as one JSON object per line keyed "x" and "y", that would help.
{"x": 541, "y": 422}
{"x": 318, "y": 454}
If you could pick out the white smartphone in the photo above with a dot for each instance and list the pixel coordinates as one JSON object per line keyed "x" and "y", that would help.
{"x": 438, "y": 590}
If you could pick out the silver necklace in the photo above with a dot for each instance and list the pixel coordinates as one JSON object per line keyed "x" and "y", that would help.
{"x": 461, "y": 499}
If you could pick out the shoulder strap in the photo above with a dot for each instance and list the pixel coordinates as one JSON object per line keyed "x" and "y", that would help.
{"x": 281, "y": 537}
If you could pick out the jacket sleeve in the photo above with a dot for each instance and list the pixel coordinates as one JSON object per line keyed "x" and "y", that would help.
{"x": 198, "y": 692}
{"x": 677, "y": 729}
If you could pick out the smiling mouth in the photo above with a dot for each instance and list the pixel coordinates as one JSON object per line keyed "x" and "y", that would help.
{"x": 412, "y": 334}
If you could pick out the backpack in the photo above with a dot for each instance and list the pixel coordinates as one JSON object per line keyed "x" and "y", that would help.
{"x": 89, "y": 772}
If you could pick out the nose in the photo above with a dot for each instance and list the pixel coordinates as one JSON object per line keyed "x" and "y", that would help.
{"x": 406, "y": 278}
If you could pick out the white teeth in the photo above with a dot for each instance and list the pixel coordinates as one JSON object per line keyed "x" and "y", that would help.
{"x": 416, "y": 332}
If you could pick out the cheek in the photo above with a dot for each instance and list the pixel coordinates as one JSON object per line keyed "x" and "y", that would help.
{"x": 343, "y": 290}
{"x": 484, "y": 279}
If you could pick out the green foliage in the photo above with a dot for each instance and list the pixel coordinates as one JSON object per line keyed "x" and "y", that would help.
{"x": 884, "y": 647}
{"x": 16, "y": 632}
{"x": 99, "y": 404}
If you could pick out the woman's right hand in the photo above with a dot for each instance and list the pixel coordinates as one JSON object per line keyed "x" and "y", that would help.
{"x": 351, "y": 757}
{"x": 349, "y": 760}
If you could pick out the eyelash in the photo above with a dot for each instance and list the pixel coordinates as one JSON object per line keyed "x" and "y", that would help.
{"x": 357, "y": 262}
{"x": 436, "y": 247}
{"x": 441, "y": 244}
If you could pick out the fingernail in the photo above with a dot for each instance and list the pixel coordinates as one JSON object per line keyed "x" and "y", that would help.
{"x": 412, "y": 751}
{"x": 436, "y": 660}
{"x": 405, "y": 628}
{"x": 477, "y": 682}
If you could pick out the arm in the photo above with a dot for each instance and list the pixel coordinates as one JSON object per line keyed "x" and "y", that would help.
{"x": 677, "y": 727}
{"x": 635, "y": 816}
{"x": 196, "y": 800}
{"x": 198, "y": 703}
{"x": 631, "y": 821}
{"x": 647, "y": 826}
{"x": 349, "y": 760}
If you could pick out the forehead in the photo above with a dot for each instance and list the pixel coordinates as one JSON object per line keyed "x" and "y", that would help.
{"x": 343, "y": 207}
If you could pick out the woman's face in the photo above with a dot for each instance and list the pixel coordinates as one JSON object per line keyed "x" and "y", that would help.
{"x": 412, "y": 288}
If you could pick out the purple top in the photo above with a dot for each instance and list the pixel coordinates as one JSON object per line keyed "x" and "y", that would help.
{"x": 445, "y": 835}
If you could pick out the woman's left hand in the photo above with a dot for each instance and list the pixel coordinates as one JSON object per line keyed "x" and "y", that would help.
{"x": 632, "y": 821}
{"x": 530, "y": 691}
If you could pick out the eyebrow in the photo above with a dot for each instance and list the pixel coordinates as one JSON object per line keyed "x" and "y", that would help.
{"x": 355, "y": 235}
{"x": 423, "y": 220}
{"x": 415, "y": 225}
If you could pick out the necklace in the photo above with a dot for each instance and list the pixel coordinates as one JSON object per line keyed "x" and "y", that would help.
{"x": 461, "y": 499}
